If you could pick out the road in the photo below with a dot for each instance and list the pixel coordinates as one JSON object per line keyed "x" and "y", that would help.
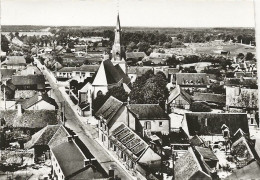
{"x": 84, "y": 131}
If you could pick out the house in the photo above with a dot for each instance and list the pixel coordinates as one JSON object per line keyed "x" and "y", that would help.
{"x": 242, "y": 100}
{"x": 151, "y": 116}
{"x": 7, "y": 73}
{"x": 213, "y": 100}
{"x": 84, "y": 109}
{"x": 172, "y": 73}
{"x": 244, "y": 151}
{"x": 178, "y": 98}
{"x": 189, "y": 167}
{"x": 83, "y": 71}
{"x": 134, "y": 72}
{"x": 14, "y": 62}
{"x": 69, "y": 161}
{"x": 107, "y": 77}
{"x": 39, "y": 102}
{"x": 29, "y": 82}
{"x": 192, "y": 81}
{"x": 29, "y": 121}
{"x": 112, "y": 111}
{"x": 214, "y": 127}
{"x": 241, "y": 82}
{"x": 135, "y": 56}
{"x": 132, "y": 149}
{"x": 210, "y": 160}
{"x": 40, "y": 140}
{"x": 251, "y": 171}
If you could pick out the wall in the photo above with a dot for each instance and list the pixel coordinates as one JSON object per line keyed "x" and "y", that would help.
{"x": 149, "y": 156}
{"x": 155, "y": 125}
{"x": 56, "y": 167}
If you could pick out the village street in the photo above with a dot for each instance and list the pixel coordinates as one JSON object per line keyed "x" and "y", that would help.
{"x": 84, "y": 130}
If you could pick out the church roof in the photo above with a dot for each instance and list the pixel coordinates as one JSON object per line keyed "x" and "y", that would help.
{"x": 109, "y": 74}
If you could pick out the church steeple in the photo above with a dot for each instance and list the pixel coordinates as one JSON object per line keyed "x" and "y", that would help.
{"x": 118, "y": 49}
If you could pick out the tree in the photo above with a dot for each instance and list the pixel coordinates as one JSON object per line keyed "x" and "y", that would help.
{"x": 98, "y": 102}
{"x": 240, "y": 56}
{"x": 131, "y": 46}
{"x": 249, "y": 56}
{"x": 199, "y": 107}
{"x": 118, "y": 92}
{"x": 217, "y": 89}
{"x": 172, "y": 61}
{"x": 149, "y": 89}
{"x": 29, "y": 59}
{"x": 4, "y": 44}
{"x": 143, "y": 46}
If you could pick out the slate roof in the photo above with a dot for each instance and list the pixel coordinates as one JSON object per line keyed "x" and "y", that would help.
{"x": 35, "y": 99}
{"x": 69, "y": 157}
{"x": 42, "y": 137}
{"x": 178, "y": 91}
{"x": 126, "y": 79}
{"x": 196, "y": 123}
{"x": 15, "y": 60}
{"x": 30, "y": 118}
{"x": 196, "y": 141}
{"x": 28, "y": 80}
{"x": 7, "y": 73}
{"x": 209, "y": 97}
{"x": 109, "y": 108}
{"x": 129, "y": 140}
{"x": 241, "y": 97}
{"x": 206, "y": 153}
{"x": 193, "y": 79}
{"x": 112, "y": 74}
{"x": 135, "y": 55}
{"x": 147, "y": 111}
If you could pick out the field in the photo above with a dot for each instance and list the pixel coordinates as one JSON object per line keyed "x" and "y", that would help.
{"x": 234, "y": 49}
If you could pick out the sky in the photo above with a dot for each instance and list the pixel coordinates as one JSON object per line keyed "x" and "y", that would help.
{"x": 154, "y": 13}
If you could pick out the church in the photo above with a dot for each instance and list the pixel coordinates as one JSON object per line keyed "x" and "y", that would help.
{"x": 112, "y": 72}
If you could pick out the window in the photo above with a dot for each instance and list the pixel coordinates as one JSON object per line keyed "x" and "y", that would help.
{"x": 147, "y": 125}
{"x": 160, "y": 124}
{"x": 104, "y": 138}
{"x": 252, "y": 120}
{"x": 105, "y": 127}
{"x": 100, "y": 123}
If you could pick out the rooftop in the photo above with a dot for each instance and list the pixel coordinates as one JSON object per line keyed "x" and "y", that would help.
{"x": 147, "y": 111}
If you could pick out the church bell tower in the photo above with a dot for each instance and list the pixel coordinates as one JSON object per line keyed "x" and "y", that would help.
{"x": 117, "y": 51}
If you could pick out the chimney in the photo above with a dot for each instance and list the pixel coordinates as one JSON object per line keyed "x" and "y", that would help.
{"x": 19, "y": 109}
{"x": 39, "y": 96}
{"x": 75, "y": 137}
{"x": 111, "y": 172}
{"x": 69, "y": 138}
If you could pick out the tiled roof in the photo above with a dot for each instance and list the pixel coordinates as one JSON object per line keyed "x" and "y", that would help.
{"x": 43, "y": 136}
{"x": 35, "y": 99}
{"x": 28, "y": 80}
{"x": 173, "y": 70}
{"x": 147, "y": 111}
{"x": 109, "y": 108}
{"x": 59, "y": 137}
{"x": 30, "y": 118}
{"x": 251, "y": 171}
{"x": 135, "y": 55}
{"x": 129, "y": 139}
{"x": 209, "y": 97}
{"x": 192, "y": 79}
{"x": 30, "y": 70}
{"x": 211, "y": 123}
{"x": 187, "y": 166}
{"x": 178, "y": 91}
